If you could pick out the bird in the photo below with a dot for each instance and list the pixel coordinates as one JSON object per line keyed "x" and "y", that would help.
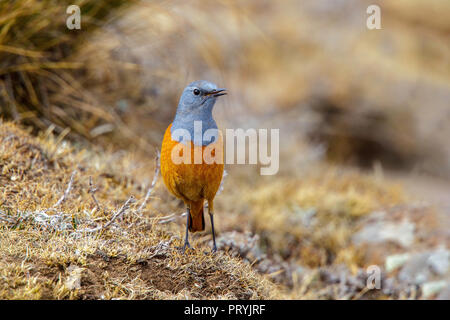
{"x": 194, "y": 180}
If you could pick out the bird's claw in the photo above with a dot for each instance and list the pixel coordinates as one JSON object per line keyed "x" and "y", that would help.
{"x": 183, "y": 248}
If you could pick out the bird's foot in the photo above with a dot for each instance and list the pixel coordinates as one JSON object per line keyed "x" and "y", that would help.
{"x": 183, "y": 248}
{"x": 213, "y": 251}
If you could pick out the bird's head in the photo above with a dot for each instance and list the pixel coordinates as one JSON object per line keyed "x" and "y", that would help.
{"x": 199, "y": 97}
{"x": 195, "y": 106}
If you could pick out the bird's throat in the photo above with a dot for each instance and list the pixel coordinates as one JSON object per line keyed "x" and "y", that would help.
{"x": 202, "y": 130}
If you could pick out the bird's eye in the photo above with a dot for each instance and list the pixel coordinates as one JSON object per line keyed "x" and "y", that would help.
{"x": 196, "y": 92}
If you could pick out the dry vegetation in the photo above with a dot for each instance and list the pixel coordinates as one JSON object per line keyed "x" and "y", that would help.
{"x": 71, "y": 228}
{"x": 93, "y": 105}
{"x": 48, "y": 249}
{"x": 42, "y": 83}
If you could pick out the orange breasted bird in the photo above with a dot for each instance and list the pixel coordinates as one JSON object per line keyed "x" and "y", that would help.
{"x": 192, "y": 134}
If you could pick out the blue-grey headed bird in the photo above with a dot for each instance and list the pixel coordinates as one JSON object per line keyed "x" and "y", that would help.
{"x": 194, "y": 180}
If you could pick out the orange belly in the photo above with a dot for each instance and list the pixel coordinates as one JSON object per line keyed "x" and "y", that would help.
{"x": 191, "y": 182}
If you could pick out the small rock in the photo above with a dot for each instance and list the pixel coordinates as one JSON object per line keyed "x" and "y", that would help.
{"x": 395, "y": 261}
{"x": 445, "y": 294}
{"x": 73, "y": 280}
{"x": 416, "y": 270}
{"x": 433, "y": 287}
{"x": 244, "y": 245}
{"x": 439, "y": 261}
{"x": 388, "y": 286}
{"x": 422, "y": 266}
{"x": 381, "y": 231}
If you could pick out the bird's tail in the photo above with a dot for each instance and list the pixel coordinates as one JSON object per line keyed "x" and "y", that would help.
{"x": 196, "y": 220}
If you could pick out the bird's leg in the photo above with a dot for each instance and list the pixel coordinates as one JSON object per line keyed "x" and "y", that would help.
{"x": 211, "y": 216}
{"x": 186, "y": 240}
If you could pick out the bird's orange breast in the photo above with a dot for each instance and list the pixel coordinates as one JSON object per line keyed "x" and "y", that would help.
{"x": 191, "y": 181}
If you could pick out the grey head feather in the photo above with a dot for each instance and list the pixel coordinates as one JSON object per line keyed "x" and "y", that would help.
{"x": 194, "y": 114}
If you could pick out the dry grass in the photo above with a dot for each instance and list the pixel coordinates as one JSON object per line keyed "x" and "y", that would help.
{"x": 41, "y": 80}
{"x": 46, "y": 252}
{"x": 312, "y": 220}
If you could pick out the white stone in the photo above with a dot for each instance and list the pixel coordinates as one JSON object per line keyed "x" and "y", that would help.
{"x": 381, "y": 231}
{"x": 433, "y": 287}
{"x": 395, "y": 261}
{"x": 439, "y": 261}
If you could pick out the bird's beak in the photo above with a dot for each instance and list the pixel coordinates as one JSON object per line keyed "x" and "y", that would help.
{"x": 217, "y": 93}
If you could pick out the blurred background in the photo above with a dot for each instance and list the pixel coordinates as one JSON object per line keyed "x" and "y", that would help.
{"x": 371, "y": 105}
{"x": 309, "y": 67}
